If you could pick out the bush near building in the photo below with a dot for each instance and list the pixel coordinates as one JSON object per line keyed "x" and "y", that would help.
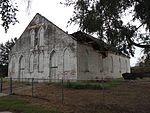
{"x": 137, "y": 72}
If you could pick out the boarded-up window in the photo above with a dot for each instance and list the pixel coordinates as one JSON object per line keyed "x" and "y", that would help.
{"x": 35, "y": 62}
{"x": 21, "y": 67}
{"x": 119, "y": 65}
{"x": 86, "y": 60}
{"x": 53, "y": 59}
{"x": 126, "y": 65}
{"x": 106, "y": 64}
{"x": 32, "y": 35}
{"x": 13, "y": 64}
{"x": 31, "y": 62}
{"x": 111, "y": 64}
{"x": 68, "y": 60}
{"x": 53, "y": 65}
{"x": 41, "y": 62}
{"x": 41, "y": 36}
{"x": 101, "y": 63}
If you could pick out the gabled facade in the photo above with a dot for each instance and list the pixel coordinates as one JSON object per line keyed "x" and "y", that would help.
{"x": 45, "y": 51}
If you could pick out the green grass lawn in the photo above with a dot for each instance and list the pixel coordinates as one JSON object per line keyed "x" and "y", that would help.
{"x": 12, "y": 103}
{"x": 92, "y": 84}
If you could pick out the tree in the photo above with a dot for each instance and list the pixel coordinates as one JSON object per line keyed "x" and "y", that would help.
{"x": 104, "y": 17}
{"x": 8, "y": 11}
{"x": 145, "y": 59}
{"x": 4, "y": 55}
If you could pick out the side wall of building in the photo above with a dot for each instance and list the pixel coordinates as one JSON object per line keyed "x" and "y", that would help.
{"x": 43, "y": 51}
{"x": 93, "y": 65}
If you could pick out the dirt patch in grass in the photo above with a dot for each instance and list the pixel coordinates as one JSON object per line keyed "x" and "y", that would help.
{"x": 127, "y": 97}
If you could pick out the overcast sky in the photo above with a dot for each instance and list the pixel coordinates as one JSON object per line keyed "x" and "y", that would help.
{"x": 52, "y": 10}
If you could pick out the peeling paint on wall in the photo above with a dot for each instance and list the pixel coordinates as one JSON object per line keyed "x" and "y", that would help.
{"x": 45, "y": 51}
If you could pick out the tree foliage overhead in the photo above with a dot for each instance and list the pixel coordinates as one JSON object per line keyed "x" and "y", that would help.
{"x": 4, "y": 56}
{"x": 104, "y": 17}
{"x": 4, "y": 51}
{"x": 8, "y": 13}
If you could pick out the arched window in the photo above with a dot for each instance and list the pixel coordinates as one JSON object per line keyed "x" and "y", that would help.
{"x": 53, "y": 65}
{"x": 119, "y": 65}
{"x": 32, "y": 35}
{"x": 101, "y": 64}
{"x": 126, "y": 65}
{"x": 41, "y": 62}
{"x": 112, "y": 64}
{"x": 68, "y": 60}
{"x": 41, "y": 36}
{"x": 21, "y": 67}
{"x": 86, "y": 60}
{"x": 35, "y": 62}
{"x": 31, "y": 62}
{"x": 13, "y": 64}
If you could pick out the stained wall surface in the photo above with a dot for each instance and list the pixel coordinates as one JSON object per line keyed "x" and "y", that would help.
{"x": 91, "y": 64}
{"x": 43, "y": 51}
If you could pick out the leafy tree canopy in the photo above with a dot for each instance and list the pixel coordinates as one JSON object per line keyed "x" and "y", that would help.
{"x": 8, "y": 11}
{"x": 104, "y": 17}
{"x": 4, "y": 55}
{"x": 4, "y": 51}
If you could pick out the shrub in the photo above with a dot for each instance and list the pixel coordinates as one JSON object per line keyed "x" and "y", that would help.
{"x": 82, "y": 85}
{"x": 128, "y": 76}
{"x": 90, "y": 84}
{"x": 133, "y": 76}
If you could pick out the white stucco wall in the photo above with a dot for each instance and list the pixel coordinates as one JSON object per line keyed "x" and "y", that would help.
{"x": 100, "y": 67}
{"x": 54, "y": 41}
{"x": 45, "y": 51}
